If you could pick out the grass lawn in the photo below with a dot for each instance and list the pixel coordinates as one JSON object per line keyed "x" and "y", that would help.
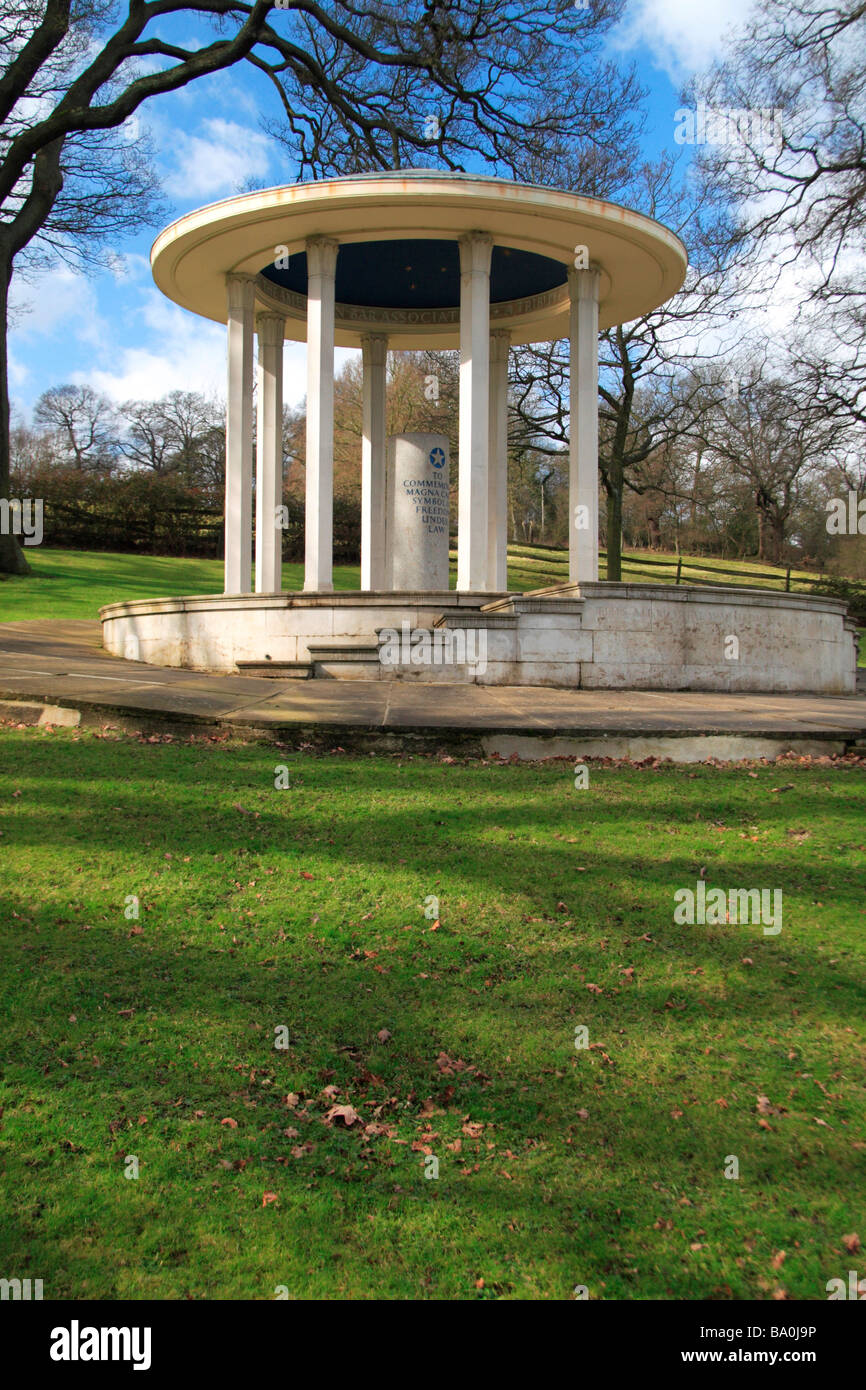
{"x": 527, "y": 562}
{"x": 304, "y": 908}
{"x": 76, "y": 583}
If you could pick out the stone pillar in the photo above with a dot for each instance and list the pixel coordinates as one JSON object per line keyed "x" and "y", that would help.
{"x": 583, "y": 442}
{"x": 374, "y": 351}
{"x": 475, "y": 253}
{"x": 239, "y": 434}
{"x": 269, "y": 455}
{"x": 417, "y": 512}
{"x": 497, "y": 482}
{"x": 319, "y": 519}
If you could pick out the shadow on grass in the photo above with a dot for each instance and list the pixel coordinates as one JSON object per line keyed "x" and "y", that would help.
{"x": 117, "y": 1041}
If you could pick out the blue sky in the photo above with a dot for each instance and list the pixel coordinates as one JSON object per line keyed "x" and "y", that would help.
{"x": 115, "y": 331}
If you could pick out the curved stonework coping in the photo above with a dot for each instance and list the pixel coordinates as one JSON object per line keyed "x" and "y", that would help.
{"x": 341, "y": 598}
{"x": 677, "y": 593}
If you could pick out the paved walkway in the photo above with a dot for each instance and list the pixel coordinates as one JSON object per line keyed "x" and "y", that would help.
{"x": 62, "y": 663}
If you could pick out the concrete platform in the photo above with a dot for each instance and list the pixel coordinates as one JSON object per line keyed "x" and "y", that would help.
{"x": 63, "y": 664}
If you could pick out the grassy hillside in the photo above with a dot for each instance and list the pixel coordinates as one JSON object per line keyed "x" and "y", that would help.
{"x": 530, "y": 566}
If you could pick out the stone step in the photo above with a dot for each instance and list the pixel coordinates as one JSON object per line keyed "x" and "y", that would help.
{"x": 277, "y": 670}
{"x": 344, "y": 651}
{"x": 349, "y": 660}
{"x": 475, "y": 618}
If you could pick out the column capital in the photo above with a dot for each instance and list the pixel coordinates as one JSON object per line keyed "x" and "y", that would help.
{"x": 584, "y": 284}
{"x": 500, "y": 343}
{"x": 476, "y": 249}
{"x": 376, "y": 345}
{"x": 321, "y": 255}
{"x": 240, "y": 289}
{"x": 271, "y": 329}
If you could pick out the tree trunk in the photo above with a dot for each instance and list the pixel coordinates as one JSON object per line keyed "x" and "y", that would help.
{"x": 614, "y": 532}
{"x": 761, "y": 534}
{"x": 12, "y": 558}
{"x": 614, "y": 484}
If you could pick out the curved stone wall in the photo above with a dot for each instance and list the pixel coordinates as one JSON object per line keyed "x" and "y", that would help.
{"x": 590, "y": 636}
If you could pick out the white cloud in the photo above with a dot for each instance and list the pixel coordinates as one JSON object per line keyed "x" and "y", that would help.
{"x": 190, "y": 356}
{"x": 53, "y": 298}
{"x": 19, "y": 374}
{"x": 223, "y": 157}
{"x": 683, "y": 36}
{"x": 234, "y": 96}
{"x": 129, "y": 265}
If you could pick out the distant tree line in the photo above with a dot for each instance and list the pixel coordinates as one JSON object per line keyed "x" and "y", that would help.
{"x": 732, "y": 461}
{"x": 146, "y": 476}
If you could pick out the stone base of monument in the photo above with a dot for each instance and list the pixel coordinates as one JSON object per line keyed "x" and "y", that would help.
{"x": 588, "y": 636}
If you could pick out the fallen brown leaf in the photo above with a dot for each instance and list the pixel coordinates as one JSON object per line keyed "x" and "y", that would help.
{"x": 342, "y": 1114}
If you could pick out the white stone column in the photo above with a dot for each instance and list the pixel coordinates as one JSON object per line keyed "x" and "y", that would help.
{"x": 374, "y": 353}
{"x": 239, "y": 434}
{"x": 475, "y": 252}
{"x": 269, "y": 455}
{"x": 497, "y": 481}
{"x": 583, "y": 288}
{"x": 319, "y": 514}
